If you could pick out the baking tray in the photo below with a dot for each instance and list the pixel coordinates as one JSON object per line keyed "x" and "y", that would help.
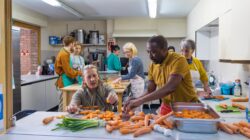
{"x": 196, "y": 125}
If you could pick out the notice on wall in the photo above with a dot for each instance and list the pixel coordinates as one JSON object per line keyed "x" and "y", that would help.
{"x": 1, "y": 108}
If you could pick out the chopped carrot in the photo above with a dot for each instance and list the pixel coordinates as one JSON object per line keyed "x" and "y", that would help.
{"x": 136, "y": 118}
{"x": 48, "y": 120}
{"x": 224, "y": 128}
{"x": 142, "y": 131}
{"x": 159, "y": 120}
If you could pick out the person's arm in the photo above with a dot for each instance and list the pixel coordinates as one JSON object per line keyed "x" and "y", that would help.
{"x": 117, "y": 64}
{"x": 67, "y": 69}
{"x": 75, "y": 101}
{"x": 110, "y": 95}
{"x": 203, "y": 77}
{"x": 132, "y": 73}
{"x": 171, "y": 85}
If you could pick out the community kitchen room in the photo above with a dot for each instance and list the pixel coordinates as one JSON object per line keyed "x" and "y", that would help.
{"x": 124, "y": 69}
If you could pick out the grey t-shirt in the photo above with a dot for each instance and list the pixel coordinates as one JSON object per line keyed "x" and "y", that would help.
{"x": 96, "y": 98}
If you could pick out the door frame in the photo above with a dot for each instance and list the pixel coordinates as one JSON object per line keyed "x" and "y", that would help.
{"x": 6, "y": 61}
{"x": 32, "y": 27}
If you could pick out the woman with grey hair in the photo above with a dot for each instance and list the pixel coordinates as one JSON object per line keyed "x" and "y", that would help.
{"x": 196, "y": 68}
{"x": 93, "y": 92}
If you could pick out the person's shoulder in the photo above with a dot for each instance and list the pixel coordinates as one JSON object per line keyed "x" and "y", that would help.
{"x": 196, "y": 59}
{"x": 175, "y": 57}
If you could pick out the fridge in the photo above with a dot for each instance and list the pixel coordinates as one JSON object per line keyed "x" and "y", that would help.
{"x": 16, "y": 69}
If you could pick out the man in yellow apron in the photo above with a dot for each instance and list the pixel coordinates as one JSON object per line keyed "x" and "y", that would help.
{"x": 169, "y": 77}
{"x": 196, "y": 68}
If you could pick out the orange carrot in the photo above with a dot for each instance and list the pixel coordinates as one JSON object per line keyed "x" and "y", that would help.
{"x": 247, "y": 134}
{"x": 146, "y": 119}
{"x": 126, "y": 130}
{"x": 241, "y": 99}
{"x": 246, "y": 129}
{"x": 235, "y": 129}
{"x": 48, "y": 120}
{"x": 244, "y": 124}
{"x": 159, "y": 120}
{"x": 169, "y": 124}
{"x": 109, "y": 128}
{"x": 141, "y": 131}
{"x": 141, "y": 114}
{"x": 239, "y": 106}
{"x": 131, "y": 113}
{"x": 224, "y": 128}
{"x": 136, "y": 118}
{"x": 113, "y": 122}
{"x": 222, "y": 105}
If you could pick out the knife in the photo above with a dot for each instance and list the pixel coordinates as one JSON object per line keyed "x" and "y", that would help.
{"x": 229, "y": 111}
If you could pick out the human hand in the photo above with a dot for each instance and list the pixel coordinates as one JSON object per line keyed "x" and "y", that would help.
{"x": 131, "y": 104}
{"x": 72, "y": 108}
{"x": 116, "y": 81}
{"x": 112, "y": 98}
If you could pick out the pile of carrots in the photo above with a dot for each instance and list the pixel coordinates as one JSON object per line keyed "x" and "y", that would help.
{"x": 138, "y": 124}
{"x": 193, "y": 114}
{"x": 106, "y": 116}
{"x": 241, "y": 127}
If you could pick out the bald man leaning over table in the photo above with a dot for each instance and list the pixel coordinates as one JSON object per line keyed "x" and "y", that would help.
{"x": 169, "y": 77}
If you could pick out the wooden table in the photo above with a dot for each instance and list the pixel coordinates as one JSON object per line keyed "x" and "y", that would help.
{"x": 70, "y": 90}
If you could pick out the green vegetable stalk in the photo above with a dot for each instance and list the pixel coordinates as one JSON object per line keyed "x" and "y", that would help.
{"x": 74, "y": 125}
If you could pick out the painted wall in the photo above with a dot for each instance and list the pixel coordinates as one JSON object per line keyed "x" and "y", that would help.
{"x": 29, "y": 16}
{"x": 204, "y": 12}
{"x": 140, "y": 43}
{"x": 175, "y": 27}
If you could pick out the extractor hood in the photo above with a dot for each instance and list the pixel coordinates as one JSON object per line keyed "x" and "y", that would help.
{"x": 134, "y": 33}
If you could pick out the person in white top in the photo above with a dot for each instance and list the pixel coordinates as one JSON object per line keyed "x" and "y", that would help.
{"x": 77, "y": 60}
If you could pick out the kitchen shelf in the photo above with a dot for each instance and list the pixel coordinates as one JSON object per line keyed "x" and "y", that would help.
{"x": 86, "y": 45}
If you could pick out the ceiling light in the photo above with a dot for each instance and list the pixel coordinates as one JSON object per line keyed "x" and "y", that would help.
{"x": 52, "y": 2}
{"x": 58, "y": 3}
{"x": 152, "y": 8}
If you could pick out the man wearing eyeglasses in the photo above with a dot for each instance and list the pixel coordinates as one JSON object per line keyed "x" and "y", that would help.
{"x": 169, "y": 78}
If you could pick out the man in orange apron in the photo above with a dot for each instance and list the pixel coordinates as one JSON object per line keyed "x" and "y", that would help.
{"x": 169, "y": 77}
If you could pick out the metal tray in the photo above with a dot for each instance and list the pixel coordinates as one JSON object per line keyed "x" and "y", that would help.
{"x": 196, "y": 125}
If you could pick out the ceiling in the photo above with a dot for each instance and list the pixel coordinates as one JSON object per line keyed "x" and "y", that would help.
{"x": 102, "y": 9}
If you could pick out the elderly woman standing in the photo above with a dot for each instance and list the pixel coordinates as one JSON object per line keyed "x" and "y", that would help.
{"x": 196, "y": 68}
{"x": 135, "y": 72}
{"x": 93, "y": 92}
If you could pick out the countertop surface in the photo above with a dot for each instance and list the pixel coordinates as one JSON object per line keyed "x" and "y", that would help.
{"x": 30, "y": 79}
{"x": 32, "y": 126}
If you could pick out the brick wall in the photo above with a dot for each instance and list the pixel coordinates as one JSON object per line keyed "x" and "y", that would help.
{"x": 29, "y": 51}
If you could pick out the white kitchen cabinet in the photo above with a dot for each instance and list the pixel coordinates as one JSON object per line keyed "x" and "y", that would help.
{"x": 40, "y": 96}
{"x": 33, "y": 96}
{"x": 203, "y": 45}
{"x": 225, "y": 35}
{"x": 240, "y": 49}
{"x": 52, "y": 95}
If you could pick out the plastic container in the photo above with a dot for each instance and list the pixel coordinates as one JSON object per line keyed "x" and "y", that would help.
{"x": 227, "y": 89}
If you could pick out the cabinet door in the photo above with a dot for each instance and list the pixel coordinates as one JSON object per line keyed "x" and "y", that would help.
{"x": 33, "y": 96}
{"x": 52, "y": 95}
{"x": 241, "y": 30}
{"x": 225, "y": 35}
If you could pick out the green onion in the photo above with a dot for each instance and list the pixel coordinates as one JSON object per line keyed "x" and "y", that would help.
{"x": 74, "y": 124}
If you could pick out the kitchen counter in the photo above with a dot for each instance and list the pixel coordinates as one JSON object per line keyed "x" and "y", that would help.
{"x": 31, "y": 126}
{"x": 31, "y": 79}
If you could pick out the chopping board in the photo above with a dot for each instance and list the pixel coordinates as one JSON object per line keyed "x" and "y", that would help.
{"x": 219, "y": 109}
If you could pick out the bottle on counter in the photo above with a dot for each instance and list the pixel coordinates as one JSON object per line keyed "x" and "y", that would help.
{"x": 237, "y": 88}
